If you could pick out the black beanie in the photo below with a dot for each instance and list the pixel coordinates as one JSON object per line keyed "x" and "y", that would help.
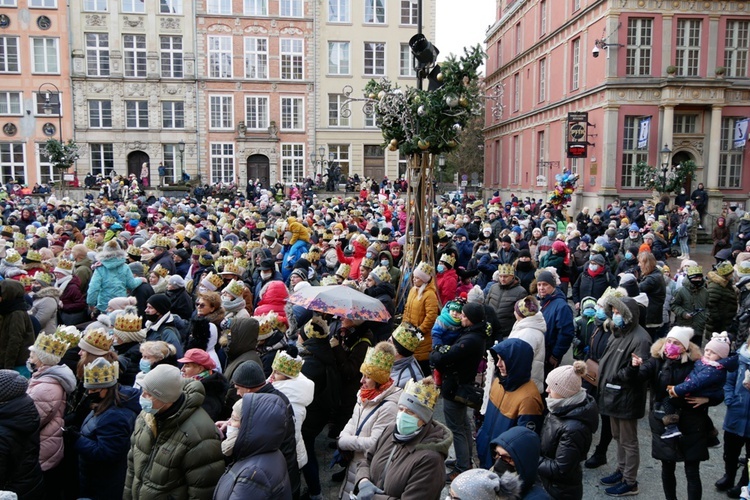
{"x": 160, "y": 302}
{"x": 474, "y": 312}
{"x": 249, "y": 374}
{"x": 524, "y": 253}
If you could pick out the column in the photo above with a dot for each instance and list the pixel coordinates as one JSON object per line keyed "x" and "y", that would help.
{"x": 714, "y": 147}
{"x": 667, "y": 127}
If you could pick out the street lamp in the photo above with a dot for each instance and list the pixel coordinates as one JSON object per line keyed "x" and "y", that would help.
{"x": 47, "y": 106}
{"x": 441, "y": 166}
{"x": 322, "y": 163}
{"x": 181, "y": 149}
{"x": 666, "y": 164}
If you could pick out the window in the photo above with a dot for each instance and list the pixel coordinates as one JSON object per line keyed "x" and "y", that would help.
{"x": 136, "y": 113}
{"x": 171, "y": 56}
{"x": 338, "y": 11}
{"x": 685, "y": 124}
{"x": 338, "y": 58}
{"x": 730, "y": 160}
{"x": 95, "y": 5}
{"x": 172, "y": 162}
{"x": 219, "y": 6}
{"x": 374, "y": 58}
{"x": 173, "y": 114}
{"x": 134, "y": 6}
{"x": 638, "y": 51}
{"x": 542, "y": 80}
{"x": 576, "y": 66}
{"x": 222, "y": 162}
{"x": 576, "y": 5}
{"x": 409, "y": 12}
{"x": 541, "y": 170}
{"x": 516, "y": 92}
{"x": 12, "y": 162}
{"x": 256, "y": 7}
{"x": 292, "y": 113}
{"x": 292, "y": 162}
{"x": 375, "y": 11}
{"x": 256, "y": 58}
{"x": 10, "y": 103}
{"x": 220, "y": 56}
{"x": 9, "y": 54}
{"x": 688, "y": 48}
{"x": 370, "y": 120}
{"x": 340, "y": 157}
{"x": 499, "y": 53}
{"x": 7, "y": 3}
{"x": 47, "y": 174}
{"x": 519, "y": 40}
{"x": 256, "y": 112}
{"x": 97, "y": 54}
{"x": 102, "y": 159}
{"x": 406, "y": 61}
{"x": 516, "y": 159}
{"x": 170, "y": 6}
{"x": 45, "y": 55}
{"x": 291, "y": 59}
{"x": 41, "y": 101}
{"x": 290, "y": 8}
{"x": 134, "y": 48}
{"x": 573, "y": 164}
{"x": 542, "y": 17}
{"x": 43, "y": 4}
{"x": 336, "y": 114}
{"x": 735, "y": 48}
{"x": 631, "y": 155}
{"x": 100, "y": 114}
{"x": 221, "y": 107}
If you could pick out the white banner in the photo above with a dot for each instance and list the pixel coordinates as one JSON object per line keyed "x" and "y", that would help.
{"x": 644, "y": 131}
{"x": 740, "y": 134}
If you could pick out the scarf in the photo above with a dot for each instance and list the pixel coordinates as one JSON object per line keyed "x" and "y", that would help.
{"x": 557, "y": 404}
{"x": 62, "y": 283}
{"x": 596, "y": 273}
{"x": 233, "y": 305}
{"x": 710, "y": 362}
{"x": 202, "y": 375}
{"x": 447, "y": 319}
{"x": 370, "y": 394}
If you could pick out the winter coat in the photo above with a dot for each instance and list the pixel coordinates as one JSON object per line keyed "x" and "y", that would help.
{"x": 320, "y": 367}
{"x": 393, "y": 270}
{"x": 531, "y": 330}
{"x": 72, "y": 298}
{"x": 559, "y": 318}
{"x": 166, "y": 331}
{"x": 349, "y": 355}
{"x": 689, "y": 299}
{"x": 44, "y": 308}
{"x": 464, "y": 249}
{"x": 410, "y": 465}
{"x": 380, "y": 417}
{"x": 112, "y": 279}
{"x": 722, "y": 303}
{"x": 299, "y": 391}
{"x": 591, "y": 286}
{"x": 503, "y": 299}
{"x": 661, "y": 372}
{"x": 215, "y": 386}
{"x": 164, "y": 260}
{"x": 49, "y": 388}
{"x": 447, "y": 283}
{"x": 523, "y": 447}
{"x": 422, "y": 313}
{"x": 514, "y": 401}
{"x": 446, "y": 330}
{"x": 182, "y": 304}
{"x": 566, "y": 438}
{"x": 406, "y": 369}
{"x": 292, "y": 254}
{"x": 243, "y": 345}
{"x": 19, "y": 448}
{"x": 737, "y": 397}
{"x": 82, "y": 269}
{"x": 259, "y": 470}
{"x": 273, "y": 298}
{"x": 103, "y": 447}
{"x": 16, "y": 330}
{"x": 706, "y": 380}
{"x": 176, "y": 457}
{"x": 354, "y": 262}
{"x": 653, "y": 286}
{"x": 385, "y": 293}
{"x": 619, "y": 395}
{"x": 128, "y": 357}
{"x": 458, "y": 365}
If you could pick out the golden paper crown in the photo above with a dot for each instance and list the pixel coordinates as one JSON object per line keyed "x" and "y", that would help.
{"x": 100, "y": 373}
{"x": 89, "y": 243}
{"x": 21, "y": 244}
{"x": 199, "y": 251}
{"x": 45, "y": 278}
{"x": 161, "y": 271}
{"x": 51, "y": 344}
{"x": 108, "y": 219}
{"x": 268, "y": 323}
{"x": 12, "y": 256}
{"x": 134, "y": 251}
{"x": 162, "y": 241}
{"x": 426, "y": 268}
{"x": 368, "y": 263}
{"x": 98, "y": 338}
{"x": 214, "y": 279}
{"x": 241, "y": 263}
{"x": 251, "y": 245}
{"x": 328, "y": 280}
{"x": 69, "y": 244}
{"x": 128, "y": 323}
{"x": 378, "y": 362}
{"x": 448, "y": 259}
{"x": 693, "y": 270}
{"x": 26, "y": 280}
{"x": 19, "y": 236}
{"x": 344, "y": 270}
{"x": 408, "y": 336}
{"x": 260, "y": 224}
{"x": 287, "y": 365}
{"x": 7, "y": 230}
{"x": 226, "y": 245}
{"x": 69, "y": 334}
{"x": 316, "y": 328}
{"x": 384, "y": 237}
{"x": 382, "y": 274}
{"x": 69, "y": 218}
{"x": 425, "y": 394}
{"x": 231, "y": 268}
{"x": 236, "y": 288}
{"x": 505, "y": 270}
{"x": 65, "y": 264}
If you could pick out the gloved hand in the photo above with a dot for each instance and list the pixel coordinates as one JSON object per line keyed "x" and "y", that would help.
{"x": 333, "y": 341}
{"x": 367, "y": 490}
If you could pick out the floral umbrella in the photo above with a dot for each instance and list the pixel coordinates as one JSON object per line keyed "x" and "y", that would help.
{"x": 341, "y": 301}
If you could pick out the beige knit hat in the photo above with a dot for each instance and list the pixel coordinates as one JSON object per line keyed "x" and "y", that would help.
{"x": 566, "y": 380}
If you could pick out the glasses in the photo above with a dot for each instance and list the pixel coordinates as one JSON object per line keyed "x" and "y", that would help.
{"x": 200, "y": 304}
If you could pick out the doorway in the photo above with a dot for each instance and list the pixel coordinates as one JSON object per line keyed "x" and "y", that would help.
{"x": 136, "y": 159}
{"x": 258, "y": 167}
{"x": 683, "y": 156}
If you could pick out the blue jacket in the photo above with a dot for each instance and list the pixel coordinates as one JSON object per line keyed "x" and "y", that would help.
{"x": 103, "y": 447}
{"x": 444, "y": 331}
{"x": 465, "y": 249}
{"x": 112, "y": 279}
{"x": 290, "y": 256}
{"x": 559, "y": 318}
{"x": 705, "y": 380}
{"x": 487, "y": 267}
{"x": 524, "y": 447}
{"x": 737, "y": 398}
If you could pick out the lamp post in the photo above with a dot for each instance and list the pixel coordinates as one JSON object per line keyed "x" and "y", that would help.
{"x": 181, "y": 149}
{"x": 666, "y": 161}
{"x": 324, "y": 163}
{"x": 47, "y": 106}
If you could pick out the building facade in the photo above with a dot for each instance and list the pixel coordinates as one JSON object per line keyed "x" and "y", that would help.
{"x": 682, "y": 66}
{"x": 35, "y": 92}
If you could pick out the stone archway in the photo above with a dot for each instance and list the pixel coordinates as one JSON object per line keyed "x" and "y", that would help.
{"x": 136, "y": 159}
{"x": 679, "y": 157}
{"x": 259, "y": 167}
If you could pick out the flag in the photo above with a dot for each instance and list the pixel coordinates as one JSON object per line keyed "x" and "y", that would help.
{"x": 644, "y": 130}
{"x": 740, "y": 133}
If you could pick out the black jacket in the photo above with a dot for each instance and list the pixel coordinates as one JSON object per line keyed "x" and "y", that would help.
{"x": 19, "y": 446}
{"x": 289, "y": 443}
{"x": 653, "y": 285}
{"x": 385, "y": 293}
{"x": 182, "y": 304}
{"x": 591, "y": 286}
{"x": 129, "y": 357}
{"x": 320, "y": 367}
{"x": 216, "y": 387}
{"x": 142, "y": 293}
{"x": 458, "y": 365}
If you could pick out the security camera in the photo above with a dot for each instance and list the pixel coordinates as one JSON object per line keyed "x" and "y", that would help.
{"x": 595, "y": 51}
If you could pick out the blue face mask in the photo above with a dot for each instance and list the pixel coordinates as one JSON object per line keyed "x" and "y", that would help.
{"x": 144, "y": 365}
{"x": 406, "y": 424}
{"x": 134, "y": 222}
{"x": 369, "y": 255}
{"x": 550, "y": 234}
{"x": 600, "y": 314}
{"x": 147, "y": 405}
{"x": 589, "y": 313}
{"x": 617, "y": 320}
{"x": 440, "y": 268}
{"x": 628, "y": 256}
{"x": 385, "y": 263}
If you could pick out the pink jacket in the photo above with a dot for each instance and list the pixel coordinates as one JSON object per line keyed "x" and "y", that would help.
{"x": 49, "y": 388}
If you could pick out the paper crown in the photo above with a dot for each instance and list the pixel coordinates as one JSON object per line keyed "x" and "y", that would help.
{"x": 69, "y": 334}
{"x": 226, "y": 245}
{"x": 343, "y": 270}
{"x": 7, "y": 231}
{"x": 251, "y": 245}
{"x": 108, "y": 219}
{"x": 260, "y": 224}
{"x": 424, "y": 394}
{"x": 268, "y": 323}
{"x": 19, "y": 236}
{"x": 64, "y": 265}
{"x": 134, "y": 251}
{"x": 382, "y": 274}
{"x": 21, "y": 245}
{"x": 724, "y": 269}
{"x": 206, "y": 259}
{"x": 408, "y": 336}
{"x": 426, "y": 268}
{"x": 33, "y": 256}
{"x": 368, "y": 263}
{"x": 448, "y": 259}
{"x": 231, "y": 268}
{"x": 287, "y": 365}
{"x": 235, "y": 288}
{"x": 44, "y": 278}
{"x": 100, "y": 373}
{"x": 161, "y": 271}
{"x": 505, "y": 270}
{"x": 242, "y": 263}
{"x": 212, "y": 281}
{"x": 12, "y": 256}
{"x": 26, "y": 280}
{"x": 96, "y": 340}
{"x": 384, "y": 237}
{"x": 316, "y": 328}
{"x": 199, "y": 251}
{"x": 378, "y": 362}
{"x": 51, "y": 344}
{"x": 328, "y": 280}
{"x": 128, "y": 323}
{"x": 69, "y": 218}
{"x": 161, "y": 241}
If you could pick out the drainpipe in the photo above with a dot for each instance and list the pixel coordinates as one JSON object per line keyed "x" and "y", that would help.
{"x": 197, "y": 104}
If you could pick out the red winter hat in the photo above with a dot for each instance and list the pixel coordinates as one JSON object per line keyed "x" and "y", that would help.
{"x": 199, "y": 357}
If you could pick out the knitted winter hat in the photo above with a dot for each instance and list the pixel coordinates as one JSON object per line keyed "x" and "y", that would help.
{"x": 160, "y": 302}
{"x": 545, "y": 276}
{"x": 249, "y": 374}
{"x": 474, "y": 312}
{"x": 566, "y": 380}
{"x": 164, "y": 383}
{"x": 483, "y": 484}
{"x": 475, "y": 295}
{"x": 682, "y": 334}
{"x": 420, "y": 397}
{"x": 719, "y": 344}
{"x": 527, "y": 306}
{"x": 12, "y": 385}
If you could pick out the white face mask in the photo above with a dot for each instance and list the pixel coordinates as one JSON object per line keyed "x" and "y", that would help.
{"x": 232, "y": 431}
{"x": 594, "y": 267}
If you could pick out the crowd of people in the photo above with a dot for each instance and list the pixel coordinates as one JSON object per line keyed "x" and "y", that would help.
{"x": 150, "y": 350}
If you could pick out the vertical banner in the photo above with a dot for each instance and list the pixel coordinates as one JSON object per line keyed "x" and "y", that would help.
{"x": 578, "y": 124}
{"x": 644, "y": 131}
{"x": 740, "y": 133}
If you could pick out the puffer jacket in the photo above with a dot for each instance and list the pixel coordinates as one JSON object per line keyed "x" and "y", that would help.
{"x": 112, "y": 279}
{"x": 566, "y": 438}
{"x": 619, "y": 395}
{"x": 49, "y": 388}
{"x": 422, "y": 313}
{"x": 178, "y": 457}
{"x": 320, "y": 367}
{"x": 16, "y": 330}
{"x": 531, "y": 330}
{"x": 44, "y": 308}
{"x": 722, "y": 303}
{"x": 103, "y": 447}
{"x": 502, "y": 299}
{"x": 382, "y": 412}
{"x": 406, "y": 369}
{"x": 215, "y": 386}
{"x": 72, "y": 298}
{"x": 19, "y": 447}
{"x": 737, "y": 397}
{"x": 292, "y": 254}
{"x": 689, "y": 299}
{"x": 560, "y": 328}
{"x": 653, "y": 286}
{"x": 259, "y": 470}
{"x": 447, "y": 283}
{"x": 591, "y": 286}
{"x": 411, "y": 473}
{"x": 299, "y": 391}
{"x": 359, "y": 253}
{"x": 273, "y": 298}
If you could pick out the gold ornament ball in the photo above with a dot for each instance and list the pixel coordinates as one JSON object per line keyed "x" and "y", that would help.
{"x": 381, "y": 94}
{"x": 452, "y": 144}
{"x": 394, "y": 142}
{"x": 423, "y": 144}
{"x": 464, "y": 102}
{"x": 372, "y": 95}
{"x": 440, "y": 77}
{"x": 392, "y": 147}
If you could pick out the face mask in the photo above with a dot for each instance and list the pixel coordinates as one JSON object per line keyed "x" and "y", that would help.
{"x": 406, "y": 424}
{"x": 150, "y": 317}
{"x": 593, "y": 267}
{"x": 589, "y": 313}
{"x": 697, "y": 282}
{"x": 232, "y": 431}
{"x": 628, "y": 256}
{"x": 672, "y": 351}
{"x": 95, "y": 397}
{"x": 600, "y": 314}
{"x": 440, "y": 268}
{"x": 31, "y": 366}
{"x": 147, "y": 405}
{"x": 384, "y": 263}
{"x": 617, "y": 320}
{"x": 550, "y": 234}
{"x": 486, "y": 234}
{"x": 502, "y": 467}
{"x": 144, "y": 365}
{"x": 265, "y": 275}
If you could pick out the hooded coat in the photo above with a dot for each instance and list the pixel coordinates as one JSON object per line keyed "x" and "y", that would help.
{"x": 112, "y": 279}
{"x": 44, "y": 308}
{"x": 687, "y": 300}
{"x": 523, "y": 446}
{"x": 737, "y": 397}
{"x": 19, "y": 448}
{"x": 299, "y": 391}
{"x": 259, "y": 470}
{"x": 502, "y": 298}
{"x": 422, "y": 313}
{"x": 385, "y": 293}
{"x": 560, "y": 328}
{"x": 513, "y": 401}
{"x": 273, "y": 298}
{"x": 654, "y": 287}
{"x": 722, "y": 303}
{"x": 360, "y": 251}
{"x": 531, "y": 330}
{"x": 320, "y": 367}
{"x": 242, "y": 346}
{"x": 16, "y": 330}
{"x": 182, "y": 303}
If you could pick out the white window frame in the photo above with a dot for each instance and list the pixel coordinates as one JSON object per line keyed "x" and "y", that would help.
{"x": 173, "y": 7}
{"x": 519, "y": 38}
{"x": 631, "y": 155}
{"x": 221, "y": 112}
{"x": 339, "y": 58}
{"x": 541, "y": 152}
{"x": 95, "y": 5}
{"x": 257, "y": 112}
{"x": 575, "y": 66}
{"x": 134, "y": 56}
{"x": 685, "y": 123}
{"x": 100, "y": 110}
{"x": 256, "y": 52}
{"x": 102, "y": 156}
{"x": 220, "y": 57}
{"x": 8, "y": 3}
{"x": 257, "y": 8}
{"x": 374, "y": 63}
{"x": 292, "y": 113}
{"x": 99, "y": 52}
{"x": 222, "y": 162}
{"x": 408, "y": 14}
{"x": 173, "y": 114}
{"x": 292, "y": 162}
{"x": 375, "y": 12}
{"x": 291, "y": 8}
{"x": 45, "y": 172}
{"x": 335, "y": 118}
{"x": 171, "y": 156}
{"x": 688, "y": 46}
{"x": 137, "y": 110}
{"x": 291, "y": 54}
{"x": 339, "y": 11}
{"x": 8, "y": 151}
{"x": 342, "y": 157}
{"x": 50, "y": 54}
{"x": 10, "y": 63}
{"x": 406, "y": 66}
{"x": 542, "y": 17}
{"x": 516, "y": 172}
{"x": 10, "y": 106}
{"x": 639, "y": 46}
{"x": 39, "y": 4}
{"x": 736, "y": 46}
{"x": 542, "y": 79}
{"x": 171, "y": 58}
{"x": 133, "y": 6}
{"x": 220, "y": 7}
{"x": 730, "y": 160}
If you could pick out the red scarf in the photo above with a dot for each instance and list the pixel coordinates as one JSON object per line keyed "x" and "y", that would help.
{"x": 370, "y": 394}
{"x": 596, "y": 273}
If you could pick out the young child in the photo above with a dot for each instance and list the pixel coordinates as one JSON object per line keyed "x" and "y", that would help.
{"x": 584, "y": 326}
{"x": 706, "y": 379}
{"x": 447, "y": 327}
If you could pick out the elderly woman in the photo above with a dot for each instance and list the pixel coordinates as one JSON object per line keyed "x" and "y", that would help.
{"x": 46, "y": 298}
{"x": 153, "y": 354}
{"x": 233, "y": 301}
{"x": 198, "y": 365}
